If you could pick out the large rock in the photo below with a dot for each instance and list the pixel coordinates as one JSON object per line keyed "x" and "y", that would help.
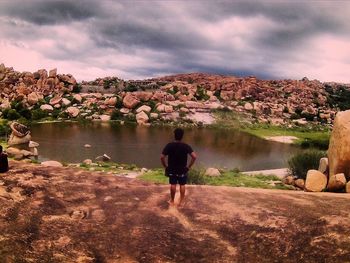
{"x": 130, "y": 101}
{"x": 315, "y": 181}
{"x": 347, "y": 187}
{"x": 336, "y": 182}
{"x": 46, "y": 107}
{"x": 19, "y": 129}
{"x": 212, "y": 172}
{"x": 14, "y": 140}
{"x": 111, "y": 101}
{"x": 300, "y": 183}
{"x": 144, "y": 108}
{"x": 78, "y": 98}
{"x": 73, "y": 111}
{"x": 339, "y": 145}
{"x": 33, "y": 98}
{"x": 55, "y": 100}
{"x": 142, "y": 117}
{"x": 53, "y": 73}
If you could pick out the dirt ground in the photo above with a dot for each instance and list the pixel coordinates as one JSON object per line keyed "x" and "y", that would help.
{"x": 70, "y": 215}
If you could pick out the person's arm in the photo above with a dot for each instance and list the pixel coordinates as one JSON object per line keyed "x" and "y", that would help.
{"x": 193, "y": 159}
{"x": 162, "y": 159}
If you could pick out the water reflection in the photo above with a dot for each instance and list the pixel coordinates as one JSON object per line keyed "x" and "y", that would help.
{"x": 142, "y": 145}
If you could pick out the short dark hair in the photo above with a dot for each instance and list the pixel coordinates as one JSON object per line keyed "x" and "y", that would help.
{"x": 0, "y": 148}
{"x": 178, "y": 133}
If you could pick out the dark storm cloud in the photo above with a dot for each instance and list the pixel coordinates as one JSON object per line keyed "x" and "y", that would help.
{"x": 226, "y": 37}
{"x": 49, "y": 12}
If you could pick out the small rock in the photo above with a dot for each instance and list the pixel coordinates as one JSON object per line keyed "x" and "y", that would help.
{"x": 300, "y": 183}
{"x": 46, "y": 107}
{"x": 87, "y": 146}
{"x": 33, "y": 144}
{"x": 289, "y": 180}
{"x": 105, "y": 117}
{"x": 144, "y": 108}
{"x": 87, "y": 161}
{"x": 73, "y": 111}
{"x": 52, "y": 164}
{"x": 212, "y": 172}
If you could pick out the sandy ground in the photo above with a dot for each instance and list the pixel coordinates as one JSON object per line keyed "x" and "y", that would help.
{"x": 69, "y": 215}
{"x": 280, "y": 173}
{"x": 283, "y": 139}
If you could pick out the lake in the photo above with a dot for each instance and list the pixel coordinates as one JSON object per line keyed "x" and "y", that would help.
{"x": 142, "y": 145}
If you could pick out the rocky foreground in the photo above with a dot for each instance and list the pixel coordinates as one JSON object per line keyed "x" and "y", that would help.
{"x": 51, "y": 214}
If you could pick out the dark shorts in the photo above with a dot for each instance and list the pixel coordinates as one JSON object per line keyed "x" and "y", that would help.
{"x": 178, "y": 179}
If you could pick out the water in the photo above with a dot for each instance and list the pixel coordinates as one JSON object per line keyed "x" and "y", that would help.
{"x": 142, "y": 145}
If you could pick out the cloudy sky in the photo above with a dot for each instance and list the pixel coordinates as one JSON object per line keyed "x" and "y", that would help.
{"x": 142, "y": 39}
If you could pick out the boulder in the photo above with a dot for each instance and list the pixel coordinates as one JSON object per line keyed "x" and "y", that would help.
{"x": 73, "y": 111}
{"x": 288, "y": 180}
{"x": 104, "y": 158}
{"x": 32, "y": 98}
{"x": 52, "y": 164}
{"x": 336, "y": 182}
{"x": 144, "y": 108}
{"x": 105, "y": 117}
{"x": 14, "y": 140}
{"x": 339, "y": 145}
{"x": 300, "y": 183}
{"x": 33, "y": 144}
{"x": 78, "y": 98}
{"x": 323, "y": 166}
{"x": 165, "y": 108}
{"x": 315, "y": 181}
{"x": 87, "y": 161}
{"x": 66, "y": 102}
{"x": 142, "y": 118}
{"x": 130, "y": 101}
{"x": 248, "y": 106}
{"x": 46, "y": 107}
{"x": 124, "y": 110}
{"x": 212, "y": 172}
{"x": 53, "y": 73}
{"x": 19, "y": 129}
{"x": 12, "y": 152}
{"x": 154, "y": 115}
{"x": 111, "y": 101}
{"x": 55, "y": 100}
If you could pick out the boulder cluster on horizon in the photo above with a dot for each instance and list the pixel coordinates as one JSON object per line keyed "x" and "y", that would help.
{"x": 175, "y": 98}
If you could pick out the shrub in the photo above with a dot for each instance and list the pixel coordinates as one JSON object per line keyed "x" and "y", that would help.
{"x": 196, "y": 177}
{"x": 116, "y": 115}
{"x": 77, "y": 88}
{"x": 201, "y": 94}
{"x": 38, "y": 114}
{"x": 300, "y": 163}
{"x": 13, "y": 115}
{"x": 4, "y": 128}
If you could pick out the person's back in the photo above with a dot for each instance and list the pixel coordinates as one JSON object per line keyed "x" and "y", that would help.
{"x": 4, "y": 166}
{"x": 176, "y": 167}
{"x": 177, "y": 157}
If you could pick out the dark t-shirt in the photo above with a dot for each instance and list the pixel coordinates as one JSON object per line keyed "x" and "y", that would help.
{"x": 4, "y": 165}
{"x": 177, "y": 156}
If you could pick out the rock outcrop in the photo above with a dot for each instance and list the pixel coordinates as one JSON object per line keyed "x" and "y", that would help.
{"x": 339, "y": 145}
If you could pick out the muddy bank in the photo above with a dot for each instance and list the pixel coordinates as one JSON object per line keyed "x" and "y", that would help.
{"x": 69, "y": 215}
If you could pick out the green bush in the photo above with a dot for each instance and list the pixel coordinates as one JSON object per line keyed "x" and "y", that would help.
{"x": 38, "y": 114}
{"x": 77, "y": 88}
{"x": 13, "y": 115}
{"x": 4, "y": 128}
{"x": 116, "y": 115}
{"x": 196, "y": 177}
{"x": 300, "y": 163}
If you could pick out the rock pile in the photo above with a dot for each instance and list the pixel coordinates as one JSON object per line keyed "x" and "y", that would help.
{"x": 174, "y": 98}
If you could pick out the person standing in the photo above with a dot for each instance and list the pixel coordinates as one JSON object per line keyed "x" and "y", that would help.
{"x": 4, "y": 165}
{"x": 176, "y": 166}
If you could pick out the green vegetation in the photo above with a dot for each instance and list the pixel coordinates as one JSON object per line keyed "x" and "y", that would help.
{"x": 300, "y": 163}
{"x": 228, "y": 178}
{"x": 338, "y": 97}
{"x": 201, "y": 94}
{"x": 311, "y": 136}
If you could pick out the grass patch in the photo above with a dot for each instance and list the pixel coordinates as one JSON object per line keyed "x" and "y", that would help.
{"x": 228, "y": 178}
{"x": 307, "y": 138}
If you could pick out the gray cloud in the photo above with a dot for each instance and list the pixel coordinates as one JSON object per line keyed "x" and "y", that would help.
{"x": 148, "y": 38}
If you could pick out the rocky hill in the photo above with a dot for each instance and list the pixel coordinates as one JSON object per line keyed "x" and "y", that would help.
{"x": 176, "y": 98}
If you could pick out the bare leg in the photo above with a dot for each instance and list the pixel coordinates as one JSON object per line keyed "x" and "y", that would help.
{"x": 172, "y": 193}
{"x": 182, "y": 193}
